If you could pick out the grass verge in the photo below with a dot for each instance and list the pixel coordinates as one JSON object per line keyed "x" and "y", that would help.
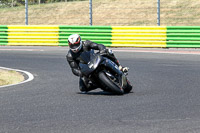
{"x": 10, "y": 77}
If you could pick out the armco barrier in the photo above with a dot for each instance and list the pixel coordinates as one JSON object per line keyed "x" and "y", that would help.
{"x": 138, "y": 36}
{"x": 52, "y": 35}
{"x": 183, "y": 36}
{"x": 115, "y": 36}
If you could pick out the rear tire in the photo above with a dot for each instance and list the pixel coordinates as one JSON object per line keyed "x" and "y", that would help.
{"x": 107, "y": 82}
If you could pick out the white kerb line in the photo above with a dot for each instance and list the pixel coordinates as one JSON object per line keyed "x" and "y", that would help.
{"x": 30, "y": 76}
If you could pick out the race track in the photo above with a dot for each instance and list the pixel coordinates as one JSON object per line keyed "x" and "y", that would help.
{"x": 166, "y": 96}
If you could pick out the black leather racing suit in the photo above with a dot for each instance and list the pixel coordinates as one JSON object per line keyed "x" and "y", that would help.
{"x": 74, "y": 59}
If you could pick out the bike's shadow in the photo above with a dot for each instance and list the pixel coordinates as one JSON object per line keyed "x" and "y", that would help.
{"x": 104, "y": 93}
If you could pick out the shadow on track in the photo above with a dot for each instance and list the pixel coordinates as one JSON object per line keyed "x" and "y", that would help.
{"x": 104, "y": 93}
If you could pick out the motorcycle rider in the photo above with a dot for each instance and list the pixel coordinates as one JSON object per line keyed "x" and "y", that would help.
{"x": 77, "y": 46}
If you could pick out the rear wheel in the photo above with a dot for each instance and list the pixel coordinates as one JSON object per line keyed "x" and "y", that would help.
{"x": 110, "y": 84}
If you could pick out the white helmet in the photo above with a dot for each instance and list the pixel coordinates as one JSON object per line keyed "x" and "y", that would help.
{"x": 75, "y": 43}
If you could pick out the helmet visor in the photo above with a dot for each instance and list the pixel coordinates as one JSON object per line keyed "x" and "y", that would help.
{"x": 75, "y": 45}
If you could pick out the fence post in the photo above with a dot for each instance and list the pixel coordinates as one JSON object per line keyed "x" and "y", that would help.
{"x": 91, "y": 12}
{"x": 158, "y": 13}
{"x": 12, "y": 3}
{"x": 26, "y": 12}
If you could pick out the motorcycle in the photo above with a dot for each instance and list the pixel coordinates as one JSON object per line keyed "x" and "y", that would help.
{"x": 104, "y": 73}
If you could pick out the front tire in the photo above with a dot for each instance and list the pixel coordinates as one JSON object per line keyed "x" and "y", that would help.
{"x": 107, "y": 82}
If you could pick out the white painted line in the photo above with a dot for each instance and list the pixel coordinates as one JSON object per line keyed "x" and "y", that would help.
{"x": 30, "y": 76}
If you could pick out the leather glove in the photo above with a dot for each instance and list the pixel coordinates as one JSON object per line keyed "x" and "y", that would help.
{"x": 104, "y": 52}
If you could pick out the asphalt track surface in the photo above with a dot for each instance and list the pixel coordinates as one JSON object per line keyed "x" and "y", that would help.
{"x": 166, "y": 96}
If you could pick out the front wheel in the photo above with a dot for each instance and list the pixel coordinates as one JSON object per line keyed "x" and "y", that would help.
{"x": 107, "y": 82}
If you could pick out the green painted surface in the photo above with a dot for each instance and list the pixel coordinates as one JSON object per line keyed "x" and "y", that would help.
{"x": 86, "y": 34}
{"x": 83, "y": 31}
{"x": 3, "y": 44}
{"x": 3, "y": 30}
{"x": 183, "y": 36}
{"x": 3, "y": 35}
{"x": 3, "y": 27}
{"x": 84, "y": 27}
{"x": 3, "y": 41}
{"x": 97, "y": 34}
{"x": 183, "y": 27}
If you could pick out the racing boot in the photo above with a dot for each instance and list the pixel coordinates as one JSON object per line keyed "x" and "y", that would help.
{"x": 85, "y": 86}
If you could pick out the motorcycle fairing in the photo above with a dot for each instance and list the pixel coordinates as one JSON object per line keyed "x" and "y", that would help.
{"x": 90, "y": 62}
